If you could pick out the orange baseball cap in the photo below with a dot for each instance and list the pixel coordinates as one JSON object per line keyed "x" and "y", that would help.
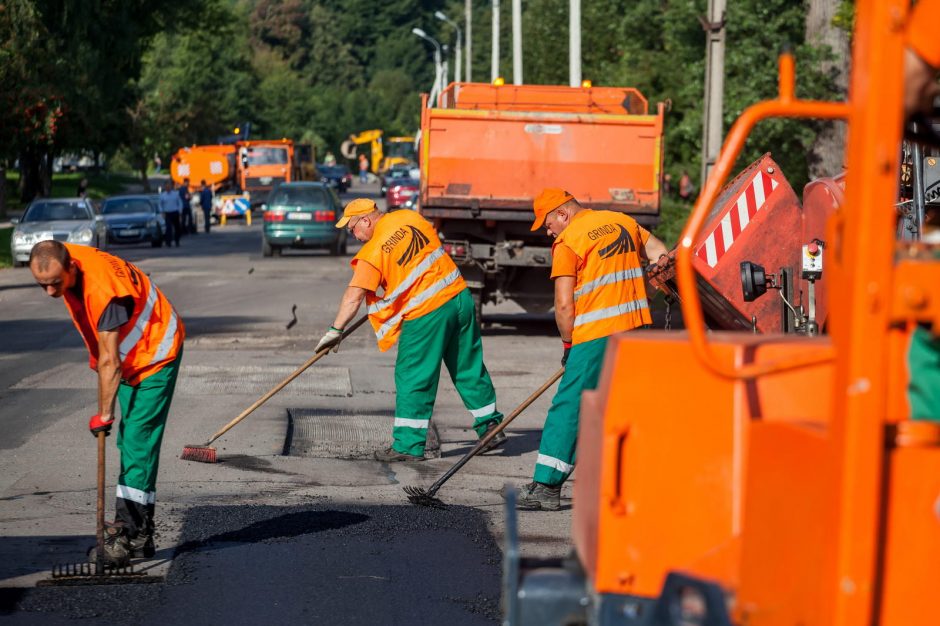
{"x": 359, "y": 206}
{"x": 546, "y": 202}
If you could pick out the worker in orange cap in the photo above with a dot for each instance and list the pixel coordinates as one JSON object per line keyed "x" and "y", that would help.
{"x": 427, "y": 309}
{"x": 599, "y": 290}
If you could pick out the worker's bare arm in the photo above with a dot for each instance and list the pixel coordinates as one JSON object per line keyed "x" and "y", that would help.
{"x": 349, "y": 305}
{"x": 564, "y": 306}
{"x": 109, "y": 372}
{"x": 654, "y": 249}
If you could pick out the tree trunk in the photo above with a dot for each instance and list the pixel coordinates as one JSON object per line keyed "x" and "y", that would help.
{"x": 29, "y": 176}
{"x": 3, "y": 190}
{"x": 827, "y": 154}
{"x": 143, "y": 178}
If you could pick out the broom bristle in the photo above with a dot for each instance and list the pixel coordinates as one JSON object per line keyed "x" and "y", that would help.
{"x": 201, "y": 454}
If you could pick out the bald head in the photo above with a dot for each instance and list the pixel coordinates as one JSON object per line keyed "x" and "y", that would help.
{"x": 45, "y": 252}
{"x": 52, "y": 267}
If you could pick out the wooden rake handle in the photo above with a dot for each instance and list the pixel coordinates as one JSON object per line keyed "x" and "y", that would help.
{"x": 300, "y": 370}
{"x": 489, "y": 436}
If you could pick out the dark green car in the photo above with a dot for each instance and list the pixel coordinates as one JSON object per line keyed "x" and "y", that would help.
{"x": 302, "y": 215}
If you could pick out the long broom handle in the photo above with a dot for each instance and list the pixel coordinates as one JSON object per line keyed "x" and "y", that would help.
{"x": 300, "y": 370}
{"x": 99, "y": 548}
{"x": 489, "y": 436}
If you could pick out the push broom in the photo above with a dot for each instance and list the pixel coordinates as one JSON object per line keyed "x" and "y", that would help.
{"x": 426, "y": 497}
{"x": 207, "y": 454}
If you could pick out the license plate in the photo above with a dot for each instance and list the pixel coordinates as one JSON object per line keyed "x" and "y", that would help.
{"x": 130, "y": 232}
{"x": 300, "y": 216}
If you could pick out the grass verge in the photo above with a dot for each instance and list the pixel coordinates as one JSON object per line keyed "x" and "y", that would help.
{"x": 6, "y": 259}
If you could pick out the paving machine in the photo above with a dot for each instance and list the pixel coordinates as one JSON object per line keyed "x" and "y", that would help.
{"x": 769, "y": 478}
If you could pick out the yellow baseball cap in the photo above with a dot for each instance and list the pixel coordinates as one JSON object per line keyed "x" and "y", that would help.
{"x": 546, "y": 202}
{"x": 359, "y": 206}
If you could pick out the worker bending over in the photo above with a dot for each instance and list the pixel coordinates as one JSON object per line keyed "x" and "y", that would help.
{"x": 599, "y": 291}
{"x": 135, "y": 343}
{"x": 426, "y": 307}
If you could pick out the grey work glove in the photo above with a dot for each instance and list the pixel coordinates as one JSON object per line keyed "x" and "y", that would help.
{"x": 330, "y": 340}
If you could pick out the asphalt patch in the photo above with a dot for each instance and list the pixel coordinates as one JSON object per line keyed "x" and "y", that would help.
{"x": 316, "y": 563}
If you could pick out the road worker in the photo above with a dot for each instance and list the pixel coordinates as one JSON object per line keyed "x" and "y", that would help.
{"x": 135, "y": 343}
{"x": 599, "y": 290}
{"x": 427, "y": 309}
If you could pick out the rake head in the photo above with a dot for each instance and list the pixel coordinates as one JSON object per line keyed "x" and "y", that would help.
{"x": 80, "y": 574}
{"x": 200, "y": 454}
{"x": 421, "y": 497}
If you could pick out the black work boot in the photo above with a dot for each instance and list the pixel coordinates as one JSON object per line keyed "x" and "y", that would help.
{"x": 390, "y": 455}
{"x": 141, "y": 546}
{"x": 116, "y": 547}
{"x": 496, "y": 441}
{"x": 537, "y": 497}
{"x": 432, "y": 447}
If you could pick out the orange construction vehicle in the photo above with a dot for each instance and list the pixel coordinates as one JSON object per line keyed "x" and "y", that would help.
{"x": 487, "y": 151}
{"x": 768, "y": 478}
{"x": 247, "y": 168}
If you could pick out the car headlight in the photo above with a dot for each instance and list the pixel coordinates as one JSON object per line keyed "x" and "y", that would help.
{"x": 84, "y": 235}
{"x": 22, "y": 239}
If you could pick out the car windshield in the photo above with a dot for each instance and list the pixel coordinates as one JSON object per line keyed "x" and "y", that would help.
{"x": 396, "y": 173}
{"x": 266, "y": 156}
{"x": 333, "y": 170}
{"x": 403, "y": 149}
{"x": 55, "y": 211}
{"x": 298, "y": 196}
{"x": 126, "y": 205}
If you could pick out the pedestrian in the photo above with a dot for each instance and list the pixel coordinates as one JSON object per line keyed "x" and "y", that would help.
{"x": 205, "y": 202}
{"x": 171, "y": 206}
{"x": 135, "y": 344}
{"x": 686, "y": 188}
{"x": 157, "y": 163}
{"x": 186, "y": 214}
{"x": 329, "y": 160}
{"x": 363, "y": 169}
{"x": 667, "y": 185}
{"x": 599, "y": 290}
{"x": 82, "y": 188}
{"x": 427, "y": 309}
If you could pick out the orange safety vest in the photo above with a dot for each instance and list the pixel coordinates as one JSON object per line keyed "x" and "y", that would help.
{"x": 153, "y": 335}
{"x": 609, "y": 294}
{"x": 417, "y": 275}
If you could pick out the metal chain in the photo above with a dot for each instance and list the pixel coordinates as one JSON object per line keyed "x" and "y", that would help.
{"x": 668, "y": 325}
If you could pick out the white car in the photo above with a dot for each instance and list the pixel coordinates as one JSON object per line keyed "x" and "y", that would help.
{"x": 71, "y": 220}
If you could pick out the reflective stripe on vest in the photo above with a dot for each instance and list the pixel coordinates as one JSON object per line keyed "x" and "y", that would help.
{"x": 166, "y": 344}
{"x": 143, "y": 321}
{"x": 612, "y": 311}
{"x": 422, "y": 297}
{"x": 608, "y": 279}
{"x": 406, "y": 284}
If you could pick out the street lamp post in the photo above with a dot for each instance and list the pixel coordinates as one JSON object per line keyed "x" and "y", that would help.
{"x": 440, "y": 15}
{"x": 438, "y": 69}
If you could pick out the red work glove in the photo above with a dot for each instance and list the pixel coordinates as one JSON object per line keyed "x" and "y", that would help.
{"x": 564, "y": 358}
{"x": 97, "y": 425}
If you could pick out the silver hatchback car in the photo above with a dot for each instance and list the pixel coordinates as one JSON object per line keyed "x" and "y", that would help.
{"x": 71, "y": 220}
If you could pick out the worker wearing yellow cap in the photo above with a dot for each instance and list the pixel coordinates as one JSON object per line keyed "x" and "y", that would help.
{"x": 427, "y": 309}
{"x": 599, "y": 290}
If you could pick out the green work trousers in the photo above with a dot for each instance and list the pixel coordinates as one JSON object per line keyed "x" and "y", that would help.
{"x": 450, "y": 334}
{"x": 923, "y": 389}
{"x": 144, "y": 409}
{"x": 560, "y": 434}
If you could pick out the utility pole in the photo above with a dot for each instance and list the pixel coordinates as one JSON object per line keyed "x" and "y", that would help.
{"x": 494, "y": 61}
{"x": 714, "y": 26}
{"x": 516, "y": 42}
{"x": 574, "y": 43}
{"x": 468, "y": 17}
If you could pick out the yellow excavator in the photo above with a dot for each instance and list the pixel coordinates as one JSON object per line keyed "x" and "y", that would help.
{"x": 384, "y": 153}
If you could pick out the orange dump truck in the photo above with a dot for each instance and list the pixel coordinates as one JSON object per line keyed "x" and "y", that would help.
{"x": 245, "y": 167}
{"x": 488, "y": 150}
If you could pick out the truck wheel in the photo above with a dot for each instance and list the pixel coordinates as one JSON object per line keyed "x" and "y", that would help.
{"x": 478, "y": 306}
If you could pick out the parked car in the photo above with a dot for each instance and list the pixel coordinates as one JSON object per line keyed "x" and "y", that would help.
{"x": 72, "y": 220}
{"x": 336, "y": 176}
{"x": 302, "y": 215}
{"x": 402, "y": 193}
{"x": 134, "y": 219}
